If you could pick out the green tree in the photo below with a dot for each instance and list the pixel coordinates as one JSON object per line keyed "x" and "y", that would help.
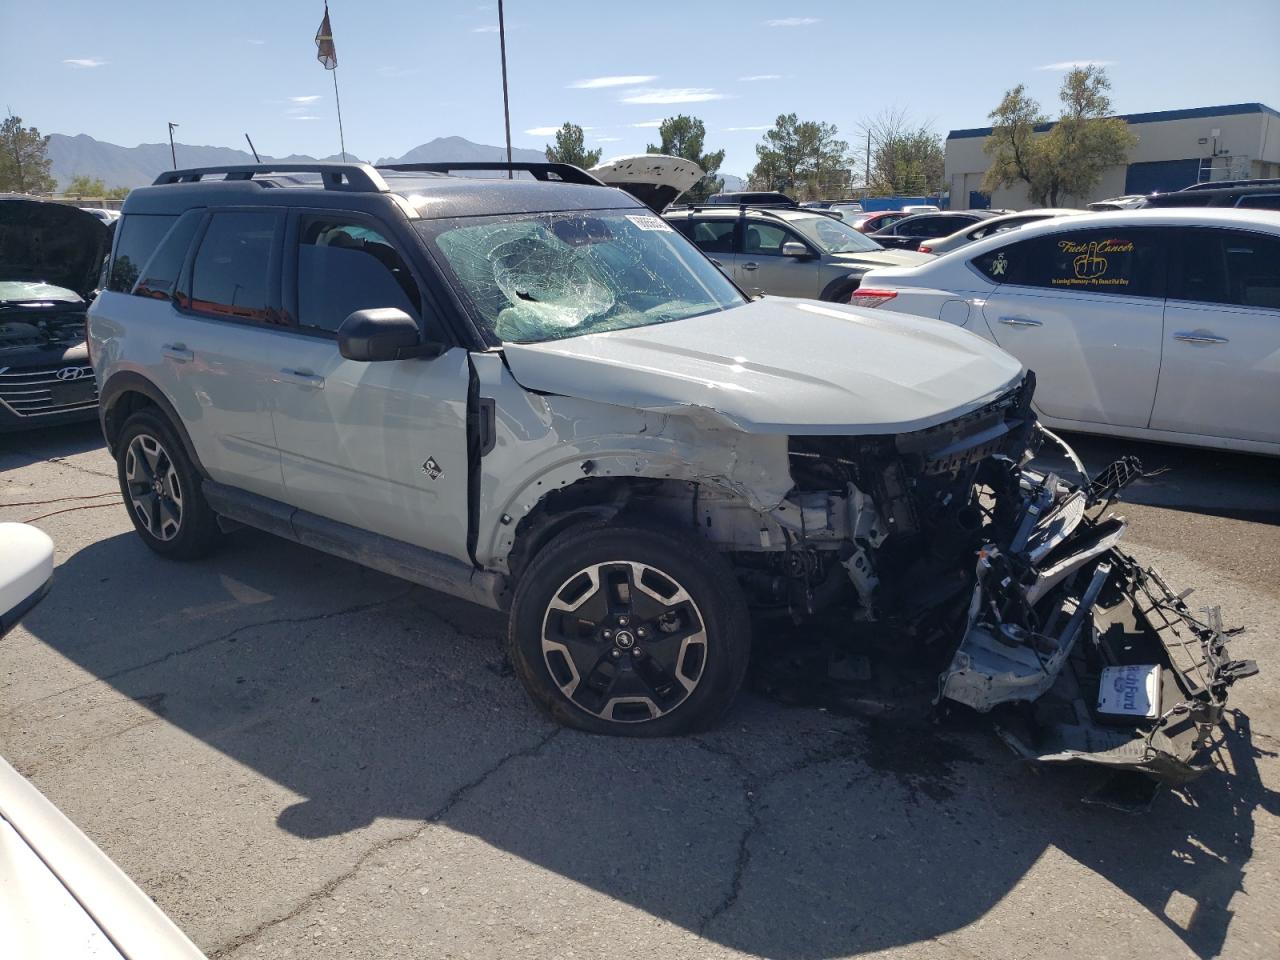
{"x": 82, "y": 185}
{"x": 685, "y": 137}
{"x": 570, "y": 148}
{"x": 1069, "y": 158}
{"x": 24, "y": 158}
{"x": 905, "y": 158}
{"x": 117, "y": 193}
{"x": 801, "y": 158}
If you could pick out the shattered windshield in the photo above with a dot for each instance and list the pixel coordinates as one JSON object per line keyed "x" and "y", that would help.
{"x": 833, "y": 236}
{"x": 547, "y": 276}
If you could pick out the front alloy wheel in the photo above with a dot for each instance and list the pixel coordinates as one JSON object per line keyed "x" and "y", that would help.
{"x": 155, "y": 490}
{"x": 624, "y": 641}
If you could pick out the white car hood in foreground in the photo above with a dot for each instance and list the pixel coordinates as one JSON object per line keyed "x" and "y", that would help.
{"x": 780, "y": 366}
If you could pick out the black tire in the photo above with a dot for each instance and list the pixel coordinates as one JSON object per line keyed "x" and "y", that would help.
{"x": 670, "y": 654}
{"x": 195, "y": 531}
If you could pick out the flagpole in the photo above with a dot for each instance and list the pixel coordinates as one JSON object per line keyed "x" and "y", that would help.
{"x": 506, "y": 108}
{"x": 342, "y": 140}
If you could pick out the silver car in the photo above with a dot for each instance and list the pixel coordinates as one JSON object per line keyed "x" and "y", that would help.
{"x": 788, "y": 252}
{"x": 989, "y": 228}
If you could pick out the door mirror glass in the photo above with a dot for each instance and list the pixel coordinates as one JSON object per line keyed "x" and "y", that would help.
{"x": 383, "y": 333}
{"x": 794, "y": 248}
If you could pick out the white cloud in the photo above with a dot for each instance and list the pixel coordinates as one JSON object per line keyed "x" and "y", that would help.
{"x": 541, "y": 131}
{"x": 792, "y": 22}
{"x": 763, "y": 126}
{"x": 85, "y": 62}
{"x": 646, "y": 124}
{"x": 256, "y": 43}
{"x": 673, "y": 95}
{"x": 488, "y": 29}
{"x": 595, "y": 83}
{"x": 760, "y": 76}
{"x": 308, "y": 99}
{"x": 308, "y": 117}
{"x": 606, "y": 139}
{"x": 1072, "y": 64}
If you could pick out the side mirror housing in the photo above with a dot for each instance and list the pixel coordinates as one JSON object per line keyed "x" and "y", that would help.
{"x": 794, "y": 248}
{"x": 383, "y": 333}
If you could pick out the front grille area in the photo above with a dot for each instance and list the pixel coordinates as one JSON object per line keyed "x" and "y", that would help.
{"x": 39, "y": 391}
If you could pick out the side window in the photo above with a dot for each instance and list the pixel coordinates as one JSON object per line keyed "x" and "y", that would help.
{"x": 231, "y": 273}
{"x": 160, "y": 275}
{"x": 139, "y": 235}
{"x": 1229, "y": 266}
{"x": 1122, "y": 261}
{"x": 764, "y": 239}
{"x": 924, "y": 227}
{"x": 1263, "y": 201}
{"x": 713, "y": 236}
{"x": 345, "y": 266}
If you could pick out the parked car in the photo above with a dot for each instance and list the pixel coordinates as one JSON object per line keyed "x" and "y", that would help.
{"x": 1251, "y": 194}
{"x": 787, "y": 253}
{"x": 51, "y": 255}
{"x": 913, "y": 208}
{"x": 1130, "y": 201}
{"x": 990, "y": 227}
{"x": 871, "y": 222}
{"x": 847, "y": 209}
{"x": 1154, "y": 324}
{"x": 63, "y": 899}
{"x": 655, "y": 179}
{"x": 756, "y": 198}
{"x": 912, "y": 230}
{"x": 540, "y": 397}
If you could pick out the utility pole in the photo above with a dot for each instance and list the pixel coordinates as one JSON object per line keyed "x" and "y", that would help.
{"x": 506, "y": 107}
{"x": 866, "y": 176}
{"x": 173, "y": 154}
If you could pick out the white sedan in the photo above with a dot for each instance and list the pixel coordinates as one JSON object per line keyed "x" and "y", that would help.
{"x": 989, "y": 228}
{"x": 1159, "y": 324}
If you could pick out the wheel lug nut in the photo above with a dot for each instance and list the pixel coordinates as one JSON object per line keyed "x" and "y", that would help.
{"x": 623, "y": 621}
{"x": 616, "y": 653}
{"x": 641, "y": 632}
{"x": 607, "y": 634}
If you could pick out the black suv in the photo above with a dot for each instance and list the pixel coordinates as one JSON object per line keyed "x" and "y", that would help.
{"x": 1251, "y": 194}
{"x": 50, "y": 258}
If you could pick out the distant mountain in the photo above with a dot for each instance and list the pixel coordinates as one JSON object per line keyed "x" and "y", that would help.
{"x": 119, "y": 166}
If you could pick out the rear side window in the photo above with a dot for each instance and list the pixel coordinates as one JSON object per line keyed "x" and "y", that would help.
{"x": 1120, "y": 261}
{"x": 139, "y": 235}
{"x": 1228, "y": 266}
{"x": 764, "y": 239}
{"x": 1260, "y": 201}
{"x": 159, "y": 276}
{"x": 713, "y": 236}
{"x": 345, "y": 266}
{"x": 231, "y": 273}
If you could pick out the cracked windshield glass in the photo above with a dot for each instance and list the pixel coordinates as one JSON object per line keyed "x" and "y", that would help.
{"x": 550, "y": 276}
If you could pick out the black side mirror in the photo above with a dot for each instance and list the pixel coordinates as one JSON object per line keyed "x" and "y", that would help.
{"x": 383, "y": 333}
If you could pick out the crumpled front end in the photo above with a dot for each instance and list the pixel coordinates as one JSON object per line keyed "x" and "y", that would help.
{"x": 1010, "y": 579}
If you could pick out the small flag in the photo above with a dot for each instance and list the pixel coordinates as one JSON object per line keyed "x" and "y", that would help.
{"x": 326, "y": 52}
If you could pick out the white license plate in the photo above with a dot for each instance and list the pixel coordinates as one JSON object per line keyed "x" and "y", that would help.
{"x": 1130, "y": 691}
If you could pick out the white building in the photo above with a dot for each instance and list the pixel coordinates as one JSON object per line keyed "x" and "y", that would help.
{"x": 1175, "y": 149}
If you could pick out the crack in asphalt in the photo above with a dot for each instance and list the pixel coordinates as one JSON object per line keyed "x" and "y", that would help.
{"x": 752, "y": 787}
{"x": 220, "y": 638}
{"x": 452, "y": 800}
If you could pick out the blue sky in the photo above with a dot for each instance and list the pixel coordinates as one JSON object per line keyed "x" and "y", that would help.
{"x": 411, "y": 70}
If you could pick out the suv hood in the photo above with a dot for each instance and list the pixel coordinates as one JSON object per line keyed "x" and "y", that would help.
{"x": 655, "y": 179}
{"x": 53, "y": 243}
{"x": 883, "y": 258}
{"x": 780, "y": 366}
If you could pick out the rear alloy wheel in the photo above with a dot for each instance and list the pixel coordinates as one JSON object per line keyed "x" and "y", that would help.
{"x": 630, "y": 631}
{"x": 161, "y": 489}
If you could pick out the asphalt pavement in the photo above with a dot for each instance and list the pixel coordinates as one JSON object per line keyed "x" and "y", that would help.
{"x": 297, "y": 757}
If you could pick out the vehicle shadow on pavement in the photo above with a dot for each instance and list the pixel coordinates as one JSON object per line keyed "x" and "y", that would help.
{"x": 788, "y": 832}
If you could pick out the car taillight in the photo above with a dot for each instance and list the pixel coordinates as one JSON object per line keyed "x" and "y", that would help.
{"x": 924, "y": 249}
{"x": 865, "y": 297}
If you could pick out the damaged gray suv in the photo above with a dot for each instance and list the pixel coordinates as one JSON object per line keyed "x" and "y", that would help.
{"x": 534, "y": 394}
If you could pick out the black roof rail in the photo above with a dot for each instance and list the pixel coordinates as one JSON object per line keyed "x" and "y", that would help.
{"x": 1231, "y": 184}
{"x": 360, "y": 177}
{"x": 566, "y": 172}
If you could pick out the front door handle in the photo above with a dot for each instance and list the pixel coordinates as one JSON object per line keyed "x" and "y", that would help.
{"x": 301, "y": 378}
{"x": 177, "y": 352}
{"x": 750, "y": 265}
{"x": 1020, "y": 322}
{"x": 1199, "y": 338}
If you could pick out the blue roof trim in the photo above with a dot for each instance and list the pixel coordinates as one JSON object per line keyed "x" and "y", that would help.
{"x": 1158, "y": 116}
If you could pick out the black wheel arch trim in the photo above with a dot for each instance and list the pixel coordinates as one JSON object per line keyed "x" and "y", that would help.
{"x": 849, "y": 280}
{"x": 125, "y": 382}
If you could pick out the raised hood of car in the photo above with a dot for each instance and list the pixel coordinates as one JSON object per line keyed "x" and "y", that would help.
{"x": 655, "y": 179}
{"x": 780, "y": 366}
{"x": 53, "y": 243}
